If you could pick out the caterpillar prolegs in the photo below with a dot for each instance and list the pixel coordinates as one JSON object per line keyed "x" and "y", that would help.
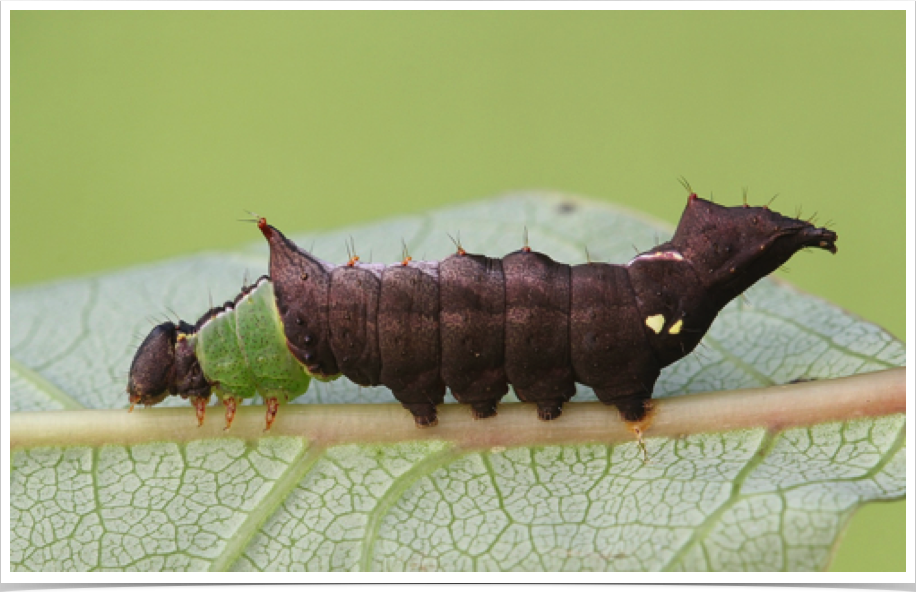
{"x": 471, "y": 323}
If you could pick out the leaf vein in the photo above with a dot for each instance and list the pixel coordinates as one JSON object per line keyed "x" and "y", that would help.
{"x": 278, "y": 494}
{"x": 421, "y": 469}
{"x": 703, "y": 529}
{"x": 44, "y": 385}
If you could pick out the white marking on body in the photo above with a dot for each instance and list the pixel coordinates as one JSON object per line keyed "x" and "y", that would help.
{"x": 656, "y": 322}
{"x": 676, "y": 327}
{"x": 662, "y": 255}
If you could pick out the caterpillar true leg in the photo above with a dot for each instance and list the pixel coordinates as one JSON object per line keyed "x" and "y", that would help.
{"x": 231, "y": 404}
{"x": 200, "y": 404}
{"x": 272, "y": 406}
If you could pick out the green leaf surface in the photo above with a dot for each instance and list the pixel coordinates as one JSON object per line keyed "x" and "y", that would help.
{"x": 752, "y": 499}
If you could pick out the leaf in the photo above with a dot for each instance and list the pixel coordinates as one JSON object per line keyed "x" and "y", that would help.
{"x": 351, "y": 488}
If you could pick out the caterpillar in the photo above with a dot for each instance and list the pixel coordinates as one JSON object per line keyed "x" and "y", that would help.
{"x": 471, "y": 323}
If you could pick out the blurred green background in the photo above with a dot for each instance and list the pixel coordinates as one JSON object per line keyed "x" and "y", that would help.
{"x": 138, "y": 136}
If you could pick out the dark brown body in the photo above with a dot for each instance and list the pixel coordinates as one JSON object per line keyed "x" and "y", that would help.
{"x": 476, "y": 324}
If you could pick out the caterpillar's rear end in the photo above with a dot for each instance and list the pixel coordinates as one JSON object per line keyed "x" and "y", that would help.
{"x": 475, "y": 325}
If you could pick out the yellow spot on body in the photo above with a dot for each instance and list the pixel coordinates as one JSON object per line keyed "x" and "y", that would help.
{"x": 676, "y": 327}
{"x": 656, "y": 322}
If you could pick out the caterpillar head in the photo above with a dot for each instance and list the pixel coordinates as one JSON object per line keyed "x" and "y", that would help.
{"x": 152, "y": 370}
{"x": 165, "y": 364}
{"x": 733, "y": 247}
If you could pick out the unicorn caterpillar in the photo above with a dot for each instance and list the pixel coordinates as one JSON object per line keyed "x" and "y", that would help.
{"x": 471, "y": 323}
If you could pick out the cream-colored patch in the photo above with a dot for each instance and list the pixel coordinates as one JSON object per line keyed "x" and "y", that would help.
{"x": 656, "y": 322}
{"x": 671, "y": 255}
{"x": 676, "y": 327}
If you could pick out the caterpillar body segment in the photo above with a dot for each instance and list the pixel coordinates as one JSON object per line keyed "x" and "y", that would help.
{"x": 537, "y": 330}
{"x": 302, "y": 284}
{"x": 354, "y": 298}
{"x": 608, "y": 343}
{"x": 275, "y": 372}
{"x": 472, "y": 330}
{"x": 473, "y": 324}
{"x": 408, "y": 337}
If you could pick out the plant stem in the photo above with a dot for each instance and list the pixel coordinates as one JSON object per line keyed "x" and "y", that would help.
{"x": 774, "y": 408}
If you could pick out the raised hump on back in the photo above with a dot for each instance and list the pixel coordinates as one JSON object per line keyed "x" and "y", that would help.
{"x": 302, "y": 286}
